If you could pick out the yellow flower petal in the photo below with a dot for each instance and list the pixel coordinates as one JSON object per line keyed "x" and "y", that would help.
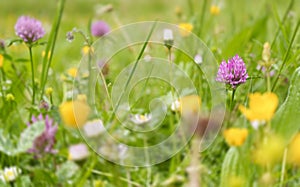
{"x": 185, "y": 28}
{"x": 1, "y": 61}
{"x": 72, "y": 72}
{"x": 235, "y": 136}
{"x": 214, "y": 10}
{"x": 74, "y": 113}
{"x": 190, "y": 104}
{"x": 294, "y": 151}
{"x": 261, "y": 106}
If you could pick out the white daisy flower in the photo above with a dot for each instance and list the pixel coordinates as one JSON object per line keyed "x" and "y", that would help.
{"x": 140, "y": 118}
{"x": 78, "y": 152}
{"x": 93, "y": 128}
{"x": 175, "y": 106}
{"x": 10, "y": 174}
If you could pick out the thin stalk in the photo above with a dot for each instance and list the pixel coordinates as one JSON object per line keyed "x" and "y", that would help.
{"x": 50, "y": 46}
{"x": 286, "y": 55}
{"x": 191, "y": 7}
{"x": 283, "y": 167}
{"x": 231, "y": 106}
{"x": 268, "y": 81}
{"x": 171, "y": 71}
{"x": 133, "y": 69}
{"x": 202, "y": 17}
{"x": 32, "y": 75}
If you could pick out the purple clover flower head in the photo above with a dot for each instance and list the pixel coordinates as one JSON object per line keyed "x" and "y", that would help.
{"x": 99, "y": 28}
{"x": 232, "y": 73}
{"x": 29, "y": 29}
{"x": 45, "y": 142}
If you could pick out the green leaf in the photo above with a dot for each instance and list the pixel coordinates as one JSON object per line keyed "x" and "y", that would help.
{"x": 43, "y": 177}
{"x": 6, "y": 146}
{"x": 287, "y": 121}
{"x": 66, "y": 171}
{"x": 23, "y": 181}
{"x": 29, "y": 135}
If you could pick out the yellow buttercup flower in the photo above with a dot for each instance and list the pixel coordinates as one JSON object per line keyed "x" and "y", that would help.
{"x": 235, "y": 136}
{"x": 185, "y": 29}
{"x": 190, "y": 104}
{"x": 74, "y": 113}
{"x": 261, "y": 107}
{"x": 49, "y": 91}
{"x": 1, "y": 60}
{"x": 294, "y": 151}
{"x": 86, "y": 49}
{"x": 72, "y": 72}
{"x": 10, "y": 97}
{"x": 214, "y": 10}
{"x": 269, "y": 151}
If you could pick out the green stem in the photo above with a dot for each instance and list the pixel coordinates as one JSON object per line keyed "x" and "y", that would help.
{"x": 32, "y": 75}
{"x": 268, "y": 80}
{"x": 232, "y": 99}
{"x": 231, "y": 107}
{"x": 191, "y": 7}
{"x": 171, "y": 70}
{"x": 133, "y": 70}
{"x": 50, "y": 46}
{"x": 202, "y": 17}
{"x": 283, "y": 167}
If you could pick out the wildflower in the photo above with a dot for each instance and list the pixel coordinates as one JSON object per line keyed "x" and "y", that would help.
{"x": 10, "y": 174}
{"x": 74, "y": 113}
{"x": 214, "y": 10}
{"x": 45, "y": 142}
{"x": 93, "y": 128}
{"x": 235, "y": 136}
{"x": 266, "y": 54}
{"x": 185, "y": 29}
{"x": 266, "y": 62}
{"x": 49, "y": 91}
{"x": 29, "y": 29}
{"x": 78, "y": 152}
{"x": 269, "y": 150}
{"x": 261, "y": 107}
{"x": 232, "y": 73}
{"x": 294, "y": 151}
{"x": 140, "y": 118}
{"x": 99, "y": 28}
{"x": 198, "y": 59}
{"x": 70, "y": 36}
{"x": 168, "y": 38}
{"x": 190, "y": 104}
{"x": 44, "y": 105}
{"x": 1, "y": 60}
{"x": 10, "y": 97}
{"x": 72, "y": 72}
{"x": 175, "y": 106}
{"x": 86, "y": 50}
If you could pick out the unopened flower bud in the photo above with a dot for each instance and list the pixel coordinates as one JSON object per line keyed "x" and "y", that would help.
{"x": 168, "y": 38}
{"x": 10, "y": 97}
